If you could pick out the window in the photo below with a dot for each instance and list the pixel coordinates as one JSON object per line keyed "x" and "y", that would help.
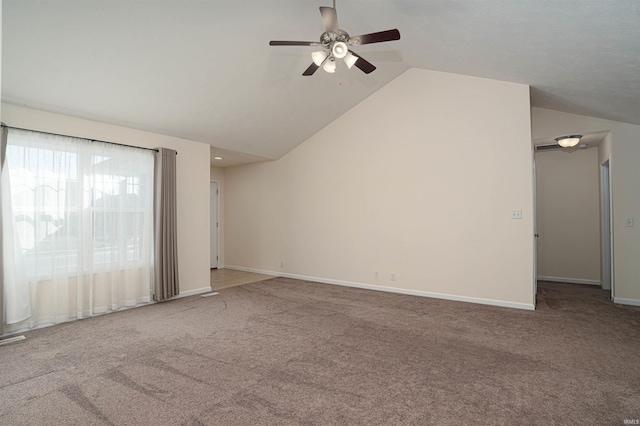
{"x": 64, "y": 201}
{"x": 83, "y": 217}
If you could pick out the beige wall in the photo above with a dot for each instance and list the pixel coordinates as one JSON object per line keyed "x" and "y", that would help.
{"x": 418, "y": 180}
{"x": 623, "y": 147}
{"x": 568, "y": 212}
{"x": 193, "y": 181}
{"x": 217, "y": 173}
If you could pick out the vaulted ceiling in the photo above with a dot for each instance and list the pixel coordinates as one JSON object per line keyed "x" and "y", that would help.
{"x": 203, "y": 70}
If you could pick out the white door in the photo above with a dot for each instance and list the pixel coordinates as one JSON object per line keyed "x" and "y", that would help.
{"x": 213, "y": 216}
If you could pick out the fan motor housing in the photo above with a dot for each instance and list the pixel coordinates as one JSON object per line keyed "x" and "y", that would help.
{"x": 328, "y": 37}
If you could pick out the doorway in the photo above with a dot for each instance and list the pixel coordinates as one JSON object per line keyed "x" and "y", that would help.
{"x": 214, "y": 223}
{"x": 605, "y": 218}
{"x": 568, "y": 214}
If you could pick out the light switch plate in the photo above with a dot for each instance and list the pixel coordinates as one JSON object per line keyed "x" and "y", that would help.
{"x": 629, "y": 222}
{"x": 516, "y": 214}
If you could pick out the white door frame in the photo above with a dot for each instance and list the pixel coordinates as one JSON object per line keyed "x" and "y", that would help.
{"x": 606, "y": 227}
{"x": 535, "y": 230}
{"x": 215, "y": 225}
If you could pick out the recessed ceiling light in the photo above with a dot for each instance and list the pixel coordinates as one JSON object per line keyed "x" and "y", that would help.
{"x": 218, "y": 158}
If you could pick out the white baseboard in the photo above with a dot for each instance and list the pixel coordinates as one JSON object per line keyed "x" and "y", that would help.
{"x": 192, "y": 292}
{"x": 255, "y": 271}
{"x": 569, "y": 280}
{"x": 632, "y": 302}
{"x": 492, "y": 302}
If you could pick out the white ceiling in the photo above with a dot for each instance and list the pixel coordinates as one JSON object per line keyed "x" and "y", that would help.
{"x": 203, "y": 70}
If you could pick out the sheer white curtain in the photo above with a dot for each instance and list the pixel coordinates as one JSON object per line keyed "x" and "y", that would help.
{"x": 83, "y": 217}
{"x": 16, "y": 305}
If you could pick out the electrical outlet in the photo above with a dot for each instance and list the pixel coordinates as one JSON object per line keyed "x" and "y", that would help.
{"x": 629, "y": 222}
{"x": 376, "y": 275}
{"x": 393, "y": 277}
{"x": 282, "y": 264}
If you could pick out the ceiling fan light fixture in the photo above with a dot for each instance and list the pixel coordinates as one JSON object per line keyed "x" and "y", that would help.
{"x": 330, "y": 65}
{"x": 319, "y": 57}
{"x": 350, "y": 59}
{"x": 335, "y": 42}
{"x": 568, "y": 141}
{"x": 339, "y": 49}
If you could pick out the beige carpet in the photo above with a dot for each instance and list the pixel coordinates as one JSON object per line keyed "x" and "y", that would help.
{"x": 289, "y": 352}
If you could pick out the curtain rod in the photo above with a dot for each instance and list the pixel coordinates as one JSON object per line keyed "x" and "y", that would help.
{"x": 69, "y": 136}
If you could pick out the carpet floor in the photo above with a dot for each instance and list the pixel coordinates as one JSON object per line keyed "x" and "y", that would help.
{"x": 290, "y": 352}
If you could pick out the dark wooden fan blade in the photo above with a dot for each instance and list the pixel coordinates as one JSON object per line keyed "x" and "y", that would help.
{"x": 312, "y": 68}
{"x": 329, "y": 18}
{"x": 379, "y": 37}
{"x": 364, "y": 65}
{"x": 293, "y": 43}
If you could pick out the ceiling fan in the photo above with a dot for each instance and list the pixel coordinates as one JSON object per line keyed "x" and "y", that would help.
{"x": 336, "y": 44}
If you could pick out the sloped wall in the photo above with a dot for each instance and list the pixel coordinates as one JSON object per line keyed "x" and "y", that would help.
{"x": 416, "y": 183}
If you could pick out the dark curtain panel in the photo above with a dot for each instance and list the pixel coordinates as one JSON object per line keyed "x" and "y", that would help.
{"x": 166, "y": 282}
{"x": 3, "y": 154}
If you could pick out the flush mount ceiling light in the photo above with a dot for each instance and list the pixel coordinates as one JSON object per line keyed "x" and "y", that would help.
{"x": 568, "y": 141}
